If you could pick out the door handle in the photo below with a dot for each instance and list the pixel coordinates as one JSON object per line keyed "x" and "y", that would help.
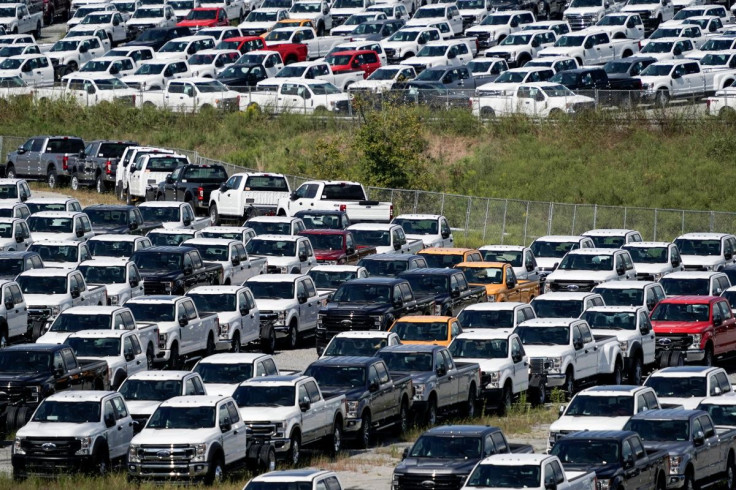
{"x": 120, "y": 427}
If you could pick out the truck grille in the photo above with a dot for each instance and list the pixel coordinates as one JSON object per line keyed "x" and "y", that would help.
{"x": 256, "y": 32}
{"x": 50, "y": 446}
{"x": 160, "y": 454}
{"x": 644, "y": 277}
{"x": 572, "y": 286}
{"x": 260, "y": 429}
{"x": 134, "y": 85}
{"x": 338, "y": 20}
{"x": 230, "y": 105}
{"x": 343, "y": 323}
{"x": 468, "y": 20}
{"x": 673, "y": 342}
{"x": 439, "y": 482}
{"x": 390, "y": 53}
{"x": 342, "y": 107}
{"x": 484, "y": 39}
{"x": 696, "y": 268}
{"x": 578, "y": 22}
{"x": 645, "y": 14}
{"x": 272, "y": 269}
{"x": 536, "y": 365}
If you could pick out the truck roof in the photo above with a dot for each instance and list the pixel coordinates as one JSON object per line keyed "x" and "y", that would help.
{"x": 720, "y": 400}
{"x": 216, "y": 289}
{"x": 388, "y": 281}
{"x": 501, "y": 306}
{"x": 447, "y": 250}
{"x": 10, "y": 220}
{"x": 388, "y": 257}
{"x": 563, "y": 296}
{"x": 617, "y": 435}
{"x": 434, "y": 271}
{"x": 616, "y": 309}
{"x": 461, "y": 430}
{"x": 412, "y": 348}
{"x": 210, "y": 241}
{"x": 626, "y": 284}
{"x": 116, "y": 238}
{"x": 514, "y": 248}
{"x": 550, "y": 322}
{"x": 80, "y": 395}
{"x": 171, "y": 231}
{"x": 425, "y": 318}
{"x": 106, "y": 262}
{"x": 560, "y": 238}
{"x": 667, "y": 414}
{"x": 516, "y": 459}
{"x": 685, "y": 372}
{"x": 272, "y": 219}
{"x": 162, "y": 204}
{"x": 289, "y": 476}
{"x": 593, "y": 251}
{"x": 692, "y": 274}
{"x": 18, "y": 254}
{"x": 486, "y": 334}
{"x": 166, "y": 249}
{"x": 364, "y": 334}
{"x": 233, "y": 358}
{"x": 12, "y": 181}
{"x": 346, "y": 361}
{"x": 36, "y": 347}
{"x": 605, "y": 231}
{"x": 226, "y": 229}
{"x": 92, "y": 310}
{"x": 372, "y": 226}
{"x": 160, "y": 375}
{"x": 324, "y": 232}
{"x": 58, "y": 214}
{"x": 49, "y": 272}
{"x": 193, "y": 401}
{"x": 647, "y": 244}
{"x": 289, "y": 379}
{"x": 336, "y": 268}
{"x": 57, "y": 243}
{"x": 416, "y": 216}
{"x": 697, "y": 300}
{"x": 291, "y": 238}
{"x": 613, "y": 390}
{"x": 101, "y": 334}
{"x": 156, "y": 298}
{"x": 51, "y": 200}
{"x": 275, "y": 278}
{"x": 496, "y": 265}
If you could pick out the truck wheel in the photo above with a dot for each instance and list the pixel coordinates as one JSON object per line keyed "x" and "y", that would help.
{"x": 430, "y": 419}
{"x": 334, "y": 440}
{"x": 118, "y": 381}
{"x": 37, "y": 32}
{"x": 74, "y": 183}
{"x": 51, "y": 178}
{"x": 3, "y": 335}
{"x": 120, "y": 192}
{"x": 216, "y": 471}
{"x": 10, "y": 416}
{"x": 469, "y": 410}
{"x": 174, "y": 359}
{"x": 100, "y": 461}
{"x": 507, "y": 399}
{"x": 149, "y": 358}
{"x": 100, "y": 184}
{"x": 708, "y": 359}
{"x": 539, "y": 397}
{"x": 615, "y": 378}
{"x": 662, "y": 98}
{"x": 10, "y": 172}
{"x": 210, "y": 349}
{"x": 404, "y": 418}
{"x": 214, "y": 215}
{"x": 689, "y": 480}
{"x": 294, "y": 449}
{"x": 235, "y": 344}
{"x": 366, "y": 431}
{"x": 293, "y": 338}
{"x": 730, "y": 473}
{"x": 269, "y": 463}
{"x": 636, "y": 370}
{"x": 569, "y": 385}
{"x": 321, "y": 29}
{"x": 487, "y": 113}
{"x": 268, "y": 344}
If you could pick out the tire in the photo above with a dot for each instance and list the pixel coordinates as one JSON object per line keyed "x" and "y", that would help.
{"x": 293, "y": 338}
{"x": 616, "y": 377}
{"x": 470, "y": 404}
{"x": 662, "y": 98}
{"x": 636, "y": 371}
{"x": 51, "y": 178}
{"x": 149, "y": 358}
{"x": 10, "y": 417}
{"x": 100, "y": 462}
{"x": 22, "y": 416}
{"x": 100, "y": 186}
{"x": 235, "y": 344}
{"x": 487, "y": 113}
{"x": 689, "y": 483}
{"x": 708, "y": 359}
{"x": 73, "y": 66}
{"x": 174, "y": 357}
{"x": 268, "y": 462}
{"x": 214, "y": 215}
{"x": 321, "y": 29}
{"x": 210, "y": 349}
{"x": 74, "y": 182}
{"x": 294, "y": 454}
{"x": 404, "y": 418}
{"x": 540, "y": 395}
{"x": 569, "y": 386}
{"x": 524, "y": 59}
{"x": 3, "y": 336}
{"x": 118, "y": 381}
{"x": 430, "y": 418}
{"x": 504, "y": 404}
{"x": 730, "y": 475}
{"x": 10, "y": 172}
{"x": 334, "y": 441}
{"x": 216, "y": 472}
{"x": 37, "y": 32}
{"x": 121, "y": 193}
{"x": 366, "y": 431}
{"x": 268, "y": 344}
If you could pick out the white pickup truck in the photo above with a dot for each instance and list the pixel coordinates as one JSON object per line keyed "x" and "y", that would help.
{"x": 530, "y": 471}
{"x": 566, "y": 354}
{"x": 155, "y": 74}
{"x": 61, "y": 254}
{"x": 60, "y": 226}
{"x": 231, "y": 255}
{"x": 13, "y": 313}
{"x": 318, "y": 11}
{"x": 297, "y": 95}
{"x": 88, "y": 90}
{"x": 520, "y": 48}
{"x": 191, "y": 95}
{"x": 672, "y": 79}
{"x": 182, "y": 330}
{"x": 535, "y": 99}
{"x": 33, "y": 68}
{"x": 16, "y": 19}
{"x": 290, "y": 412}
{"x": 452, "y": 52}
{"x": 432, "y": 229}
{"x": 246, "y": 194}
{"x": 497, "y": 26}
{"x": 121, "y": 278}
{"x": 68, "y": 54}
{"x": 592, "y": 47}
{"x": 583, "y": 269}
{"x": 14, "y": 235}
{"x": 407, "y": 41}
{"x": 386, "y": 238}
{"x": 172, "y": 215}
{"x": 112, "y": 22}
{"x": 120, "y": 349}
{"x": 241, "y": 233}
{"x": 622, "y": 25}
{"x": 317, "y": 47}
{"x": 652, "y": 12}
{"x": 148, "y": 171}
{"x": 48, "y": 292}
{"x": 320, "y": 70}
{"x": 581, "y": 14}
{"x": 285, "y": 254}
{"x": 350, "y": 197}
{"x": 222, "y": 373}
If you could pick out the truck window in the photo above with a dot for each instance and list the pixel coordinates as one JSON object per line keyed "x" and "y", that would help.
{"x": 641, "y": 404}
{"x": 321, "y": 485}
{"x": 697, "y": 427}
{"x": 448, "y": 360}
{"x": 708, "y": 429}
{"x": 585, "y": 331}
{"x": 490, "y": 448}
{"x": 332, "y": 483}
{"x": 312, "y": 391}
{"x": 234, "y": 415}
{"x": 83, "y": 253}
{"x": 198, "y": 386}
{"x": 196, "y": 260}
{"x": 234, "y": 182}
{"x": 383, "y": 376}
{"x": 109, "y": 411}
{"x": 224, "y": 415}
{"x": 343, "y": 192}
{"x": 559, "y": 475}
{"x": 119, "y": 406}
{"x": 626, "y": 450}
{"x": 311, "y": 291}
{"x": 270, "y": 367}
{"x": 69, "y": 359}
{"x": 529, "y": 312}
{"x": 520, "y": 316}
{"x": 190, "y": 310}
{"x": 406, "y": 293}
{"x": 517, "y": 350}
{"x": 127, "y": 346}
{"x": 439, "y": 361}
{"x": 455, "y": 329}
{"x": 16, "y": 295}
{"x": 189, "y": 387}
{"x": 373, "y": 375}
{"x": 577, "y": 337}
{"x": 499, "y": 441}
{"x": 260, "y": 369}
{"x": 302, "y": 394}
{"x": 651, "y": 400}
{"x": 723, "y": 382}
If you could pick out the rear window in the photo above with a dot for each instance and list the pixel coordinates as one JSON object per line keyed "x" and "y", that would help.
{"x": 165, "y": 164}
{"x": 274, "y": 183}
{"x": 111, "y": 150}
{"x": 205, "y": 173}
{"x": 347, "y": 192}
{"x": 64, "y": 146}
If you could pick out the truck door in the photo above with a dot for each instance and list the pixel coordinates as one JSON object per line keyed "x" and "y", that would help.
{"x": 192, "y": 334}
{"x": 171, "y": 192}
{"x": 680, "y": 83}
{"x": 230, "y": 440}
{"x": 17, "y": 321}
{"x": 321, "y": 418}
{"x": 520, "y": 376}
{"x": 647, "y": 339}
{"x": 445, "y": 385}
{"x": 713, "y": 448}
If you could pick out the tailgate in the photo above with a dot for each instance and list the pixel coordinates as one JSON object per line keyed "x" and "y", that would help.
{"x": 380, "y": 212}
{"x": 263, "y": 198}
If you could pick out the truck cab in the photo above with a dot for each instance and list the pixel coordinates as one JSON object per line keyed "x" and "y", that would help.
{"x": 654, "y": 260}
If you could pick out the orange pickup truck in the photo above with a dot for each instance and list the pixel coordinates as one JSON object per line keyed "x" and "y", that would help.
{"x": 500, "y": 281}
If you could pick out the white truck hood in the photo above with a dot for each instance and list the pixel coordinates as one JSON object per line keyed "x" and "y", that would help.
{"x": 387, "y": 249}
{"x": 652, "y": 268}
{"x": 275, "y": 305}
{"x": 112, "y": 289}
{"x": 682, "y": 3}
{"x": 40, "y": 236}
{"x": 261, "y": 414}
{"x": 145, "y": 22}
{"x": 399, "y": 45}
{"x": 142, "y": 407}
{"x": 654, "y": 81}
{"x": 488, "y": 365}
{"x": 548, "y": 262}
{"x": 584, "y": 11}
{"x": 173, "y": 56}
{"x": 640, "y": 8}
{"x": 546, "y": 350}
{"x": 489, "y": 28}
{"x": 141, "y": 78}
{"x": 429, "y": 241}
{"x": 619, "y": 334}
{"x": 374, "y": 85}
{"x": 690, "y": 403}
{"x": 568, "y": 423}
{"x": 171, "y": 225}
{"x": 597, "y": 276}
{"x": 59, "y": 429}
{"x": 285, "y": 261}
{"x": 426, "y": 21}
{"x": 156, "y": 437}
{"x": 257, "y": 25}
{"x": 9, "y": 73}
{"x": 560, "y": 51}
{"x": 44, "y": 300}
{"x": 53, "y": 338}
{"x": 60, "y": 265}
{"x": 220, "y": 388}
{"x": 701, "y": 260}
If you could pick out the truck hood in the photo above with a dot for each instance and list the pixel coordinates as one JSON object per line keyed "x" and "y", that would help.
{"x": 22, "y": 378}
{"x": 688, "y": 403}
{"x": 640, "y": 8}
{"x": 601, "y": 470}
{"x": 279, "y": 261}
{"x": 567, "y": 423}
{"x": 328, "y": 254}
{"x": 263, "y": 414}
{"x": 174, "y": 56}
{"x": 275, "y": 305}
{"x": 56, "y": 429}
{"x": 151, "y": 21}
{"x": 156, "y": 437}
{"x": 672, "y": 447}
{"x": 197, "y": 23}
{"x": 663, "y": 327}
{"x": 429, "y": 241}
{"x": 583, "y": 11}
{"x": 597, "y": 276}
{"x": 652, "y": 81}
{"x": 220, "y": 388}
{"x": 425, "y": 21}
{"x": 486, "y": 29}
{"x": 389, "y": 249}
{"x": 44, "y": 300}
{"x": 350, "y": 393}
{"x": 354, "y": 308}
{"x": 53, "y": 337}
{"x": 9, "y": 73}
{"x": 619, "y": 334}
{"x": 142, "y": 407}
{"x": 160, "y": 275}
{"x": 548, "y": 262}
{"x": 433, "y": 466}
{"x": 142, "y": 79}
{"x": 488, "y": 365}
{"x": 690, "y": 260}
{"x": 398, "y": 45}
{"x": 112, "y": 229}
{"x": 38, "y": 237}
{"x": 652, "y": 268}
{"x": 256, "y": 26}
{"x": 546, "y": 350}
{"x": 376, "y": 86}
{"x": 560, "y": 51}
{"x": 112, "y": 289}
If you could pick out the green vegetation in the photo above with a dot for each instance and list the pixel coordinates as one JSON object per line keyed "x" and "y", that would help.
{"x": 666, "y": 161}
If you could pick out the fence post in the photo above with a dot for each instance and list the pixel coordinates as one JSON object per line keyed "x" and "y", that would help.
{"x": 682, "y": 231}
{"x": 467, "y": 217}
{"x": 485, "y": 222}
{"x": 625, "y": 213}
{"x": 503, "y": 223}
{"x": 526, "y": 221}
{"x": 712, "y": 221}
{"x": 550, "y": 213}
{"x": 574, "y": 216}
{"x": 442, "y": 206}
{"x": 416, "y": 201}
{"x": 595, "y": 215}
{"x": 655, "y": 225}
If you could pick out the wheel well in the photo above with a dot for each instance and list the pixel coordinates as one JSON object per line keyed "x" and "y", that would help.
{"x": 49, "y": 167}
{"x": 296, "y": 431}
{"x": 294, "y": 322}
{"x": 101, "y": 444}
{"x": 217, "y": 451}
{"x": 405, "y": 400}
{"x": 338, "y": 419}
{"x": 364, "y": 412}
{"x": 627, "y": 53}
{"x": 727, "y": 83}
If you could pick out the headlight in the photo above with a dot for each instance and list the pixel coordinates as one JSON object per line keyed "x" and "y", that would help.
{"x": 162, "y": 339}
{"x": 657, "y": 277}
{"x": 675, "y": 462}
{"x": 418, "y": 391}
{"x": 491, "y": 298}
{"x": 395, "y": 481}
{"x": 55, "y": 310}
{"x": 133, "y": 456}
{"x": 554, "y": 364}
{"x": 113, "y": 299}
{"x": 493, "y": 378}
{"x": 696, "y": 338}
{"x": 320, "y": 319}
{"x": 16, "y": 446}
{"x": 281, "y": 317}
{"x": 604, "y": 483}
{"x": 85, "y": 445}
{"x": 200, "y": 452}
{"x": 285, "y": 270}
{"x": 279, "y": 429}
{"x": 378, "y": 321}
{"x": 624, "y": 345}
{"x": 224, "y": 330}
{"x": 437, "y": 309}
{"x": 547, "y": 287}
{"x": 35, "y": 391}
{"x": 353, "y": 409}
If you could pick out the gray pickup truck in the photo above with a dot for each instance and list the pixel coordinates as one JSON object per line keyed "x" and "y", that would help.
{"x": 50, "y": 158}
{"x": 699, "y": 452}
{"x": 377, "y": 399}
{"x": 99, "y": 164}
{"x": 440, "y": 383}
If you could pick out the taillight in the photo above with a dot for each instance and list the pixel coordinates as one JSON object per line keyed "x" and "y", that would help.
{"x": 65, "y": 163}
{"x": 391, "y": 212}
{"x": 707, "y": 103}
{"x": 108, "y": 167}
{"x": 200, "y": 194}
{"x": 343, "y": 208}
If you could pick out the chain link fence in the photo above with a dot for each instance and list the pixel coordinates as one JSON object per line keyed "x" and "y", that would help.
{"x": 482, "y": 220}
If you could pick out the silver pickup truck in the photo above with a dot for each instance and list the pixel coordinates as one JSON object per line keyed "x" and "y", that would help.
{"x": 50, "y": 158}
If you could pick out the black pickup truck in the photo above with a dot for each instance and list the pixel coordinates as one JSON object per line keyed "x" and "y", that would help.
{"x": 618, "y": 458}
{"x": 175, "y": 270}
{"x": 118, "y": 219}
{"x": 31, "y": 372}
{"x": 192, "y": 184}
{"x": 368, "y": 304}
{"x": 444, "y": 456}
{"x": 377, "y": 399}
{"x": 97, "y": 166}
{"x": 448, "y": 287}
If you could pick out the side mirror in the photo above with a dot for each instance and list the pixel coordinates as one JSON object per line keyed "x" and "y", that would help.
{"x": 223, "y": 187}
{"x": 717, "y": 320}
{"x": 244, "y": 310}
{"x": 80, "y": 233}
{"x": 304, "y": 405}
{"x": 303, "y": 257}
{"x": 26, "y": 68}
{"x": 578, "y": 344}
{"x": 451, "y": 55}
{"x": 20, "y": 16}
{"x": 529, "y": 267}
{"x": 699, "y": 439}
{"x": 225, "y": 427}
{"x": 129, "y": 356}
{"x": 293, "y": 196}
{"x": 620, "y": 271}
{"x": 19, "y": 238}
{"x": 629, "y": 461}
{"x": 441, "y": 371}
{"x": 550, "y": 485}
{"x": 83, "y": 49}
{"x": 644, "y": 330}
{"x": 133, "y": 226}
{"x": 58, "y": 372}
{"x": 183, "y": 321}
{"x": 728, "y": 256}
{"x": 560, "y": 410}
{"x": 191, "y": 50}
{"x": 398, "y": 302}
{"x": 445, "y": 234}
{"x": 422, "y": 41}
{"x": 235, "y": 261}
{"x": 350, "y": 250}
{"x": 373, "y": 386}
{"x": 516, "y": 358}
{"x": 9, "y": 305}
{"x": 169, "y": 179}
{"x": 405, "y": 453}
{"x": 449, "y": 16}
{"x": 116, "y": 22}
{"x": 455, "y": 293}
{"x": 675, "y": 263}
{"x": 109, "y": 420}
{"x": 535, "y": 43}
{"x": 218, "y": 63}
{"x": 677, "y": 52}
{"x": 397, "y": 246}
{"x": 91, "y": 89}
{"x": 301, "y": 299}
{"x": 74, "y": 293}
{"x": 187, "y": 221}
{"x": 21, "y": 150}
{"x": 134, "y": 282}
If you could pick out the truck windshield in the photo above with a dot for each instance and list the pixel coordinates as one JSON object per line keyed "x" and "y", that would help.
{"x": 202, "y": 14}
{"x": 106, "y": 217}
{"x": 84, "y": 347}
{"x": 148, "y": 13}
{"x": 514, "y": 258}
{"x": 569, "y": 41}
{"x": 165, "y": 164}
{"x": 372, "y": 238}
{"x": 10, "y": 266}
{"x": 585, "y": 262}
{"x": 547, "y": 308}
{"x": 552, "y": 249}
{"x": 210, "y": 303}
{"x": 677, "y": 312}
{"x": 224, "y": 373}
{"x": 362, "y": 293}
{"x": 505, "y": 476}
{"x": 168, "y": 239}
{"x": 160, "y": 214}
{"x": 105, "y": 248}
{"x": 330, "y": 279}
{"x": 407, "y": 361}
{"x": 182, "y": 418}
{"x": 442, "y": 261}
{"x": 45, "y": 285}
{"x": 421, "y": 331}
{"x": 383, "y": 268}
{"x": 658, "y": 47}
{"x": 685, "y": 287}
{"x": 660, "y": 430}
{"x": 483, "y": 275}
{"x": 544, "y": 335}
{"x": 601, "y": 406}
{"x": 586, "y": 452}
{"x": 11, "y": 64}
{"x": 698, "y": 247}
{"x": 213, "y": 253}
{"x": 220, "y": 234}
{"x": 64, "y": 45}
{"x": 42, "y": 224}
{"x": 621, "y": 297}
{"x": 431, "y": 50}
{"x": 158, "y": 261}
{"x": 150, "y": 68}
{"x": 403, "y": 36}
{"x": 152, "y": 312}
{"x": 491, "y": 20}
{"x": 318, "y": 221}
{"x": 279, "y": 35}
{"x": 202, "y": 174}
{"x": 610, "y": 320}
{"x": 418, "y": 226}
{"x": 67, "y": 412}
{"x": 343, "y": 192}
{"x": 479, "y": 349}
{"x": 438, "y": 447}
{"x": 275, "y": 248}
{"x": 77, "y": 323}
{"x": 346, "y": 346}
{"x": 338, "y": 376}
{"x": 608, "y": 241}
{"x": 613, "y": 20}
{"x": 348, "y": 4}
{"x": 326, "y": 242}
{"x": 97, "y": 19}
{"x": 271, "y": 290}
{"x": 25, "y": 361}
{"x": 257, "y": 16}
{"x": 37, "y": 207}
{"x": 713, "y": 59}
{"x": 576, "y": 4}
{"x": 710, "y": 45}
{"x": 139, "y": 389}
{"x": 721, "y": 414}
{"x": 666, "y": 32}
{"x": 666, "y": 387}
{"x": 517, "y": 40}
{"x": 265, "y": 396}
{"x": 486, "y": 318}
{"x": 429, "y": 283}
{"x": 275, "y": 485}
{"x": 648, "y": 255}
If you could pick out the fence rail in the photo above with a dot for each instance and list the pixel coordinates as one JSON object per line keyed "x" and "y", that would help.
{"x": 481, "y": 220}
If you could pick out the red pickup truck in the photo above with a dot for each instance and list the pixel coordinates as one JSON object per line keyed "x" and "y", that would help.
{"x": 359, "y": 60}
{"x": 201, "y": 17}
{"x": 290, "y": 53}
{"x": 693, "y": 329}
{"x": 336, "y": 247}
